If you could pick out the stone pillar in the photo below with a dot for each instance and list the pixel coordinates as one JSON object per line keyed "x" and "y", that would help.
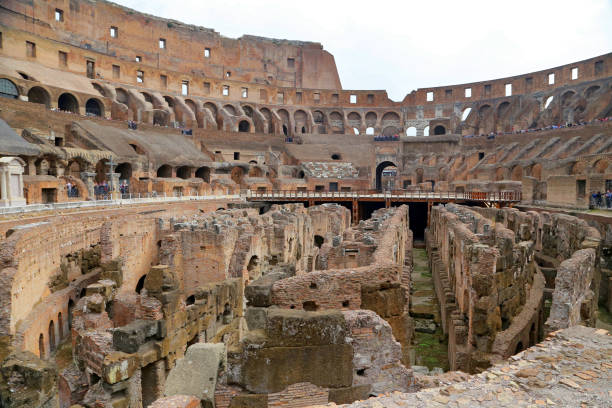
{"x": 88, "y": 178}
{"x": 11, "y": 187}
{"x": 113, "y": 182}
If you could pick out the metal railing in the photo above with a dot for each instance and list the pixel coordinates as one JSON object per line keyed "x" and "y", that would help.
{"x": 503, "y": 196}
{"x": 106, "y": 201}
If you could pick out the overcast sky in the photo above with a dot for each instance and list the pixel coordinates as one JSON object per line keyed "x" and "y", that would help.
{"x": 404, "y": 45}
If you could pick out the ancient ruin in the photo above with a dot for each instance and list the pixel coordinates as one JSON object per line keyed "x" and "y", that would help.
{"x": 189, "y": 220}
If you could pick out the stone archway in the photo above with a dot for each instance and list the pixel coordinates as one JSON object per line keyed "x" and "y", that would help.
{"x": 379, "y": 171}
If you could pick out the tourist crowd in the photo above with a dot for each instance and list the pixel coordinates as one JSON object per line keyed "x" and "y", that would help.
{"x": 492, "y": 135}
{"x": 599, "y": 200}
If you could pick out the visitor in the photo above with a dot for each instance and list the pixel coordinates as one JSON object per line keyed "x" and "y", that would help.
{"x": 609, "y": 199}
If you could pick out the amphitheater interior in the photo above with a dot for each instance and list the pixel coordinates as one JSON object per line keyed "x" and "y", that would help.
{"x": 189, "y": 220}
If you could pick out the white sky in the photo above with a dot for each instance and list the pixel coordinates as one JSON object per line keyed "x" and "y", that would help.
{"x": 404, "y": 45}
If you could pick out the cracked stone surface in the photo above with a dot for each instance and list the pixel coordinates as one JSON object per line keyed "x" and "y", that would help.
{"x": 571, "y": 368}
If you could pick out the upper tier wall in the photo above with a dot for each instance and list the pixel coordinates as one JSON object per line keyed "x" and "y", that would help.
{"x": 302, "y": 72}
{"x": 87, "y": 24}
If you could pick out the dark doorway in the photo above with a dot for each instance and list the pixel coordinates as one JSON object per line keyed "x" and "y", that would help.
{"x": 244, "y": 126}
{"x": 418, "y": 219}
{"x": 439, "y": 130}
{"x": 379, "y": 171}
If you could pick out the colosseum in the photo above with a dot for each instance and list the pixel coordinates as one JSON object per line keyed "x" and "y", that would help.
{"x": 190, "y": 220}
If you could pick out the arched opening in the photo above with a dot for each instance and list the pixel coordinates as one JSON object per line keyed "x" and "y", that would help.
{"x": 379, "y": 173}
{"x": 41, "y": 346}
{"x": 517, "y": 173}
{"x": 51, "y": 336}
{"x": 94, "y": 107}
{"x": 336, "y": 156}
{"x": 601, "y": 166}
{"x": 8, "y": 89}
{"x": 411, "y": 131}
{"x": 426, "y": 131}
{"x": 465, "y": 114}
{"x": 370, "y": 131}
{"x": 247, "y": 110}
{"x": 370, "y": 119}
{"x": 74, "y": 169}
{"x": 230, "y": 109}
{"x": 183, "y": 172}
{"x": 439, "y": 130}
{"x": 536, "y": 171}
{"x": 285, "y": 130}
{"x": 356, "y": 131}
{"x": 203, "y": 173}
{"x": 140, "y": 284}
{"x": 122, "y": 96}
{"x": 548, "y": 102}
{"x": 60, "y": 326}
{"x": 147, "y": 97}
{"x": 124, "y": 170}
{"x": 192, "y": 106}
{"x": 591, "y": 91}
{"x": 255, "y": 172}
{"x": 70, "y": 307}
{"x": 503, "y": 109}
{"x": 244, "y": 126}
{"x": 39, "y": 95}
{"x": 164, "y": 171}
{"x": 102, "y": 169}
{"x": 190, "y": 300}
{"x": 336, "y": 122}
{"x": 237, "y": 174}
{"x": 318, "y": 241}
{"x": 67, "y": 102}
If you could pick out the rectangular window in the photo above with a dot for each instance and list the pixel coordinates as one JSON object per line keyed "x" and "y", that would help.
{"x": 334, "y": 98}
{"x": 140, "y": 77}
{"x": 59, "y": 15}
{"x": 207, "y": 88}
{"x": 291, "y": 62}
{"x": 206, "y": 52}
{"x": 316, "y": 97}
{"x": 228, "y": 74}
{"x": 487, "y": 90}
{"x": 430, "y": 96}
{"x": 244, "y": 92}
{"x": 528, "y": 82}
{"x": 370, "y": 98}
{"x": 353, "y": 99}
{"x": 508, "y": 89}
{"x": 298, "y": 97}
{"x": 138, "y": 58}
{"x": 116, "y": 71}
{"x": 236, "y": 155}
{"x": 280, "y": 97}
{"x": 30, "y": 49}
{"x": 162, "y": 43}
{"x": 468, "y": 92}
{"x": 114, "y": 32}
{"x": 185, "y": 88}
{"x": 448, "y": 93}
{"x": 226, "y": 90}
{"x": 551, "y": 79}
{"x": 163, "y": 81}
{"x": 574, "y": 73}
{"x": 580, "y": 188}
{"x": 263, "y": 95}
{"x": 599, "y": 67}
{"x": 63, "y": 58}
{"x": 91, "y": 68}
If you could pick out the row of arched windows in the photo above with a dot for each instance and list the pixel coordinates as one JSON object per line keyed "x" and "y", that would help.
{"x": 66, "y": 101}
